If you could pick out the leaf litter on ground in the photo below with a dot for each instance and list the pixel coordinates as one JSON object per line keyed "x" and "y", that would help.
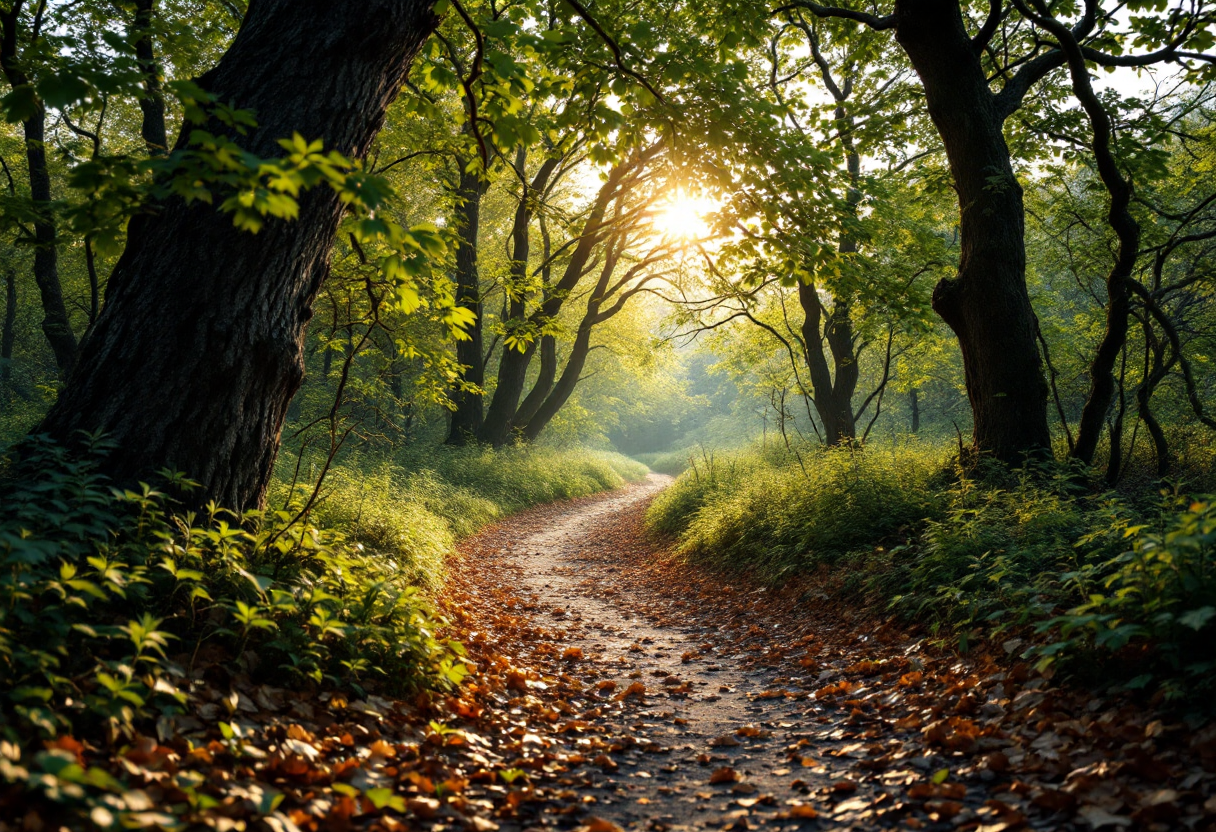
{"x": 851, "y": 717}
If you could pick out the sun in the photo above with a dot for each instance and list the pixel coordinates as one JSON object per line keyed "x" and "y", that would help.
{"x": 682, "y": 216}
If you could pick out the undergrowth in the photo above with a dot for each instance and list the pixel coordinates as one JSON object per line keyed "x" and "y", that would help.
{"x": 1114, "y": 589}
{"x": 112, "y": 600}
{"x": 415, "y": 507}
{"x": 776, "y": 513}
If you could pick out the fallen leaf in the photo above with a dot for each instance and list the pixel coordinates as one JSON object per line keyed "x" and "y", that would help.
{"x": 725, "y": 774}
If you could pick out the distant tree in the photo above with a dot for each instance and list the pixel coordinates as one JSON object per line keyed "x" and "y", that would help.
{"x": 976, "y": 73}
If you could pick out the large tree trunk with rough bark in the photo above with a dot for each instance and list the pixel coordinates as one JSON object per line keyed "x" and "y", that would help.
{"x": 987, "y": 304}
{"x": 470, "y": 410}
{"x": 199, "y": 349}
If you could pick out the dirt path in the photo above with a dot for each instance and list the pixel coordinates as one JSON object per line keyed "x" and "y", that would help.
{"x": 667, "y": 700}
{"x": 697, "y": 694}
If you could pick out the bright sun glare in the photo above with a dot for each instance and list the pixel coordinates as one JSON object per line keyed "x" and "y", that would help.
{"x": 682, "y": 216}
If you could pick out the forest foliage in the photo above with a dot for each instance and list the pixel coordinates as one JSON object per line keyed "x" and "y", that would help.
{"x": 918, "y": 299}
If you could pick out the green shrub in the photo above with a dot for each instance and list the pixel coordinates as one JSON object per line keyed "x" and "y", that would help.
{"x": 414, "y": 510}
{"x": 998, "y": 551}
{"x": 778, "y": 512}
{"x": 1158, "y": 594}
{"x": 107, "y": 597}
{"x": 673, "y": 463}
{"x": 516, "y": 478}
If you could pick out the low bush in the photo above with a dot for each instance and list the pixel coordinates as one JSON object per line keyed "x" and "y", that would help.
{"x": 415, "y": 509}
{"x": 672, "y": 463}
{"x": 1117, "y": 589}
{"x": 516, "y": 478}
{"x": 1150, "y": 600}
{"x": 997, "y": 552}
{"x": 108, "y": 598}
{"x": 775, "y": 512}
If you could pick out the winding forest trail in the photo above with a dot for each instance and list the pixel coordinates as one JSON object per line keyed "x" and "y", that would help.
{"x": 638, "y": 691}
{"x": 697, "y": 693}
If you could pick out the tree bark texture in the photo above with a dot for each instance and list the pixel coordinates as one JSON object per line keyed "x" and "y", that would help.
{"x": 199, "y": 349}
{"x": 470, "y": 409}
{"x": 986, "y": 305}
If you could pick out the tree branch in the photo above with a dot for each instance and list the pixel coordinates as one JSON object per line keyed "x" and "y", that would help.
{"x": 875, "y": 22}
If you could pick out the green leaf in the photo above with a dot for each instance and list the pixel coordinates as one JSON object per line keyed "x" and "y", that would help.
{"x": 1197, "y": 619}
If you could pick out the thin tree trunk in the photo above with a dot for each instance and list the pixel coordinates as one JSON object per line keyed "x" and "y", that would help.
{"x": 559, "y": 392}
{"x": 544, "y": 381}
{"x": 1118, "y": 300}
{"x": 467, "y": 418}
{"x": 199, "y": 348}
{"x": 914, "y": 402}
{"x": 152, "y": 102}
{"x": 987, "y": 304}
{"x": 8, "y": 335}
{"x": 595, "y": 229}
{"x": 55, "y": 322}
{"x": 513, "y": 366}
{"x": 833, "y": 395}
{"x": 564, "y": 386}
{"x": 834, "y": 388}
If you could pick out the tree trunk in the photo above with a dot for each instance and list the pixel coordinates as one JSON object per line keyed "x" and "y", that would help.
{"x": 152, "y": 103}
{"x": 1118, "y": 296}
{"x": 914, "y": 402}
{"x": 544, "y": 381}
{"x": 833, "y": 396}
{"x": 559, "y": 393}
{"x": 200, "y": 346}
{"x": 55, "y": 322}
{"x": 987, "y": 304}
{"x": 565, "y": 385}
{"x": 8, "y": 335}
{"x": 469, "y": 413}
{"x": 513, "y": 366}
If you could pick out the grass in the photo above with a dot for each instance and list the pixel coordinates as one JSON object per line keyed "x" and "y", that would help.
{"x": 1121, "y": 586}
{"x": 415, "y": 508}
{"x": 774, "y": 512}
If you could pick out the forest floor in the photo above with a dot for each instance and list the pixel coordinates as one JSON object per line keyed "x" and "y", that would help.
{"x": 635, "y": 690}
{"x": 616, "y": 686}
